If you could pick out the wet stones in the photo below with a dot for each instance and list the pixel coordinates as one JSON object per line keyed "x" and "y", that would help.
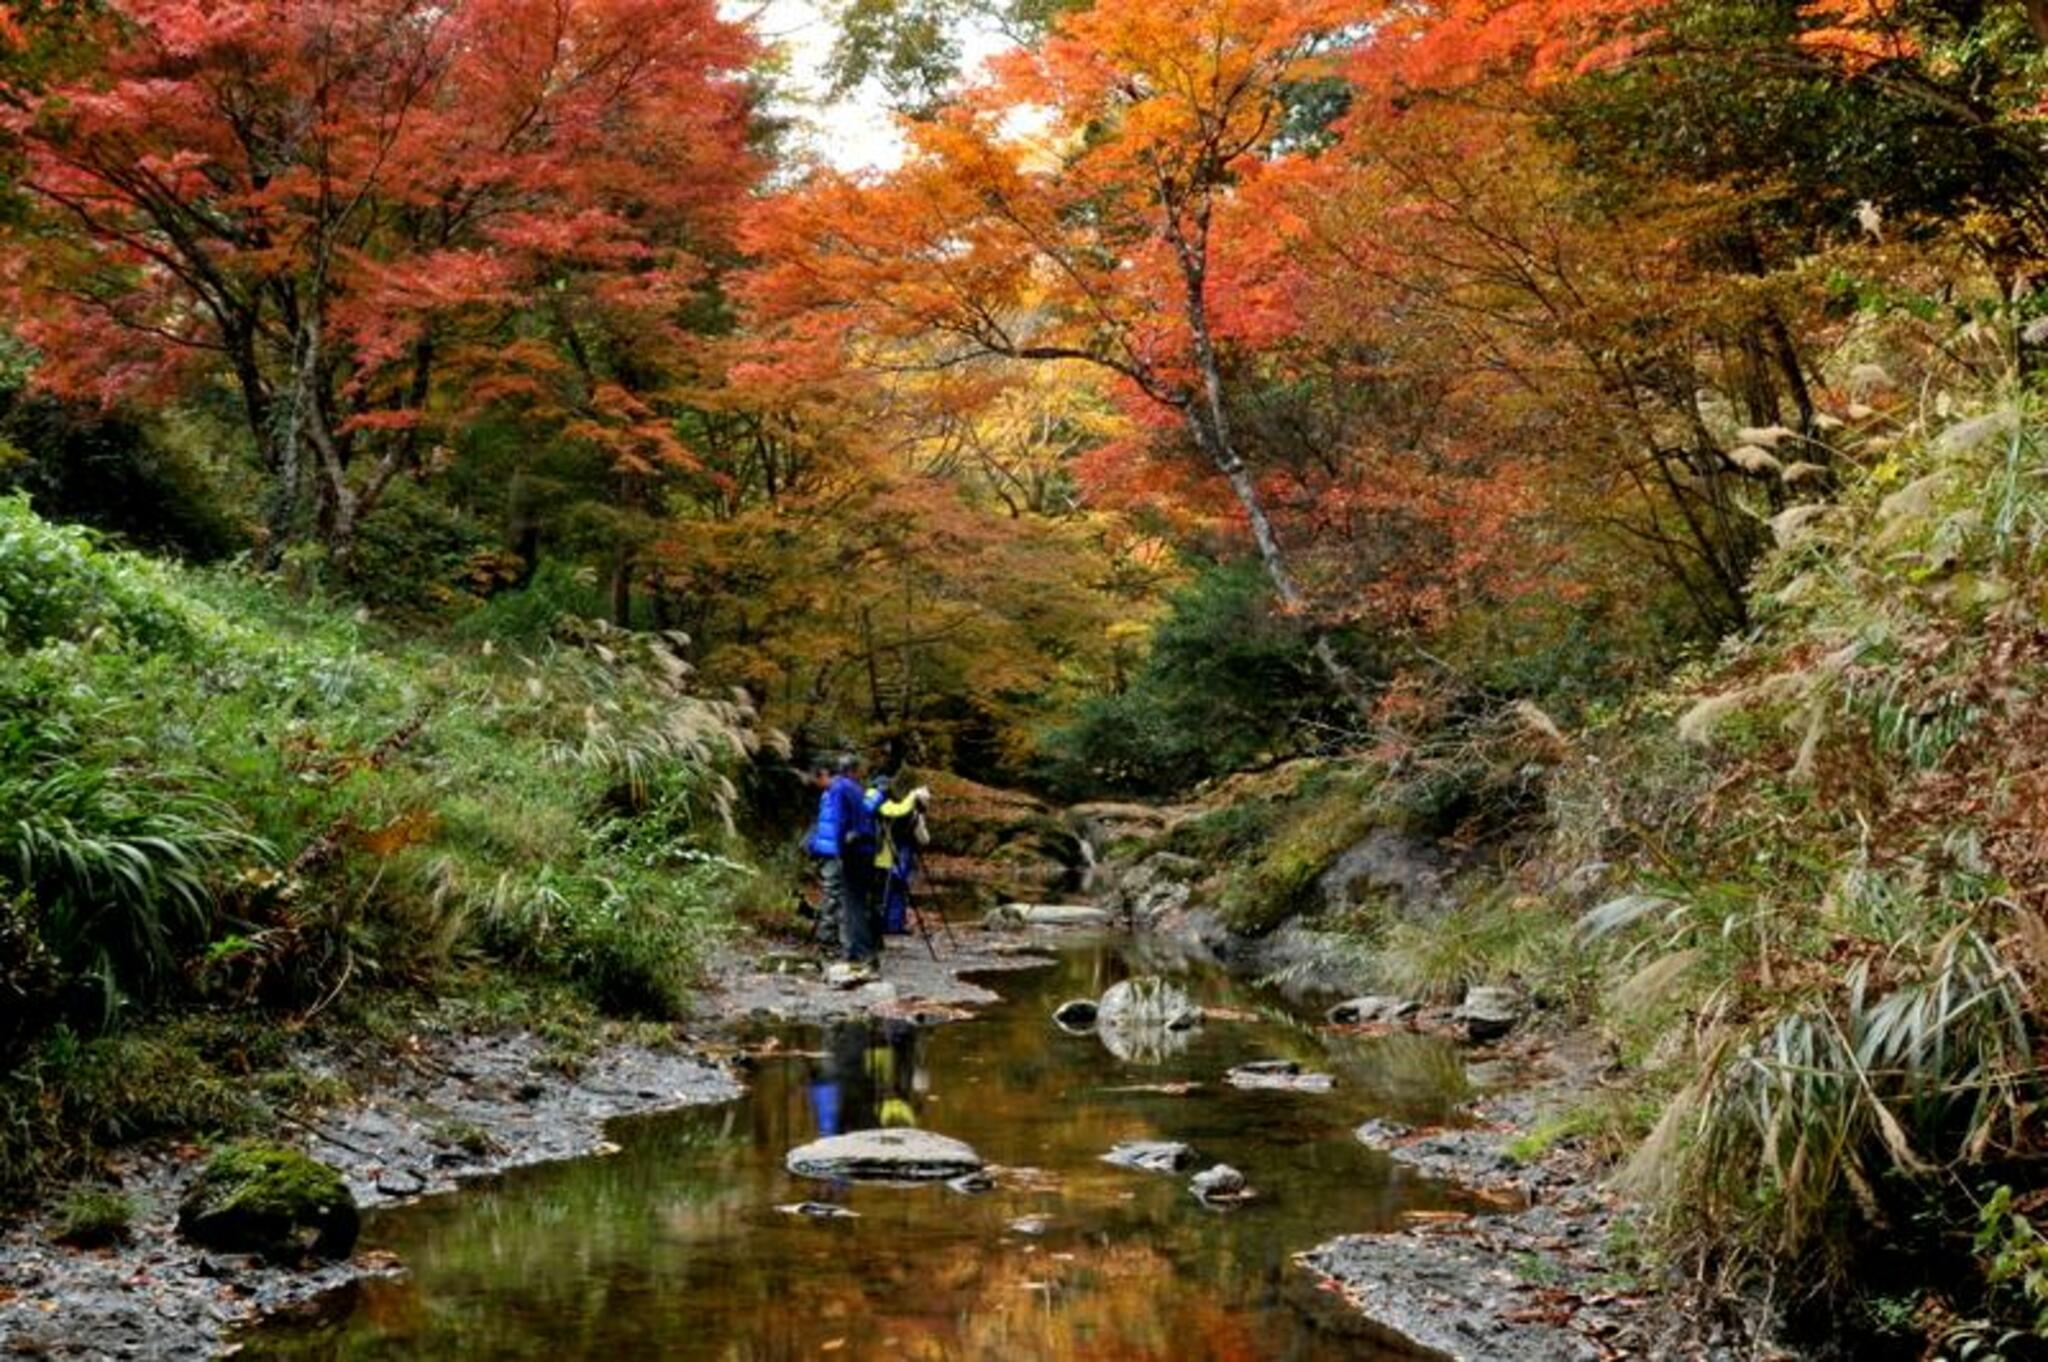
{"x": 1151, "y": 1156}
{"x": 896, "y": 1155}
{"x": 269, "y": 1200}
{"x": 1011, "y": 916}
{"x": 1277, "y": 1075}
{"x": 1220, "y": 1185}
{"x": 1373, "y": 1009}
{"x": 1076, "y": 1015}
{"x": 1488, "y": 1013}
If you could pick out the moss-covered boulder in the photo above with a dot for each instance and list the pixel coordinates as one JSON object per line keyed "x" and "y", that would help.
{"x": 263, "y": 1198}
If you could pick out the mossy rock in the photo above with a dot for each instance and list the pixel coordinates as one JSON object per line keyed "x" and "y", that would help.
{"x": 262, "y": 1198}
{"x": 1281, "y": 877}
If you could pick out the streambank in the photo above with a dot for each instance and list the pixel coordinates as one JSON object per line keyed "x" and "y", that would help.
{"x": 437, "y": 1111}
{"x": 1554, "y": 1269}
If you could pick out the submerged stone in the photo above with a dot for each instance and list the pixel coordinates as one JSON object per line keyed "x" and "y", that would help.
{"x": 818, "y": 1210}
{"x": 1148, "y": 1001}
{"x": 1220, "y": 1183}
{"x": 1277, "y": 1075}
{"x": 1145, "y": 1019}
{"x": 894, "y": 1155}
{"x": 1151, "y": 1156}
{"x": 269, "y": 1200}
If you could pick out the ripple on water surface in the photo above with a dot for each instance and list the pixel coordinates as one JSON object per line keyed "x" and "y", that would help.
{"x": 674, "y": 1247}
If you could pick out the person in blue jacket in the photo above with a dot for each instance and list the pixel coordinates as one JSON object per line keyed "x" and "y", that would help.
{"x": 847, "y": 822}
{"x": 822, "y": 842}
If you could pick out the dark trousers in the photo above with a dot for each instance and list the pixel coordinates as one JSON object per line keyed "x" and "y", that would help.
{"x": 857, "y": 899}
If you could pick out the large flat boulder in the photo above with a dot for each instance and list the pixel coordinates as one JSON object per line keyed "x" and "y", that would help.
{"x": 896, "y": 1155}
{"x": 1047, "y": 915}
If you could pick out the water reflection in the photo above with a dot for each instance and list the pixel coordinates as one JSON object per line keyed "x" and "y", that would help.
{"x": 866, "y": 1076}
{"x": 673, "y": 1248}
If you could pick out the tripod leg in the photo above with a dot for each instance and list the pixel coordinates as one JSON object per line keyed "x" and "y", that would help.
{"x": 924, "y": 928}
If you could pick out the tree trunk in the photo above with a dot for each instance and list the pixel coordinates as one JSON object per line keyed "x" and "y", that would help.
{"x": 622, "y": 590}
{"x": 1208, "y": 420}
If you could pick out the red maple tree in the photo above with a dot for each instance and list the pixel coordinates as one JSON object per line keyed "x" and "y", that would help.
{"x": 372, "y": 216}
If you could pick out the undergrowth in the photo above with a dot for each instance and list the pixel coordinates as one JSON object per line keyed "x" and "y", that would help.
{"x": 217, "y": 795}
{"x": 1825, "y": 932}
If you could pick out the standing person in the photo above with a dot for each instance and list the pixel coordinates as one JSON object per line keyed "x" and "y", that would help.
{"x": 823, "y": 845}
{"x": 853, "y": 823}
{"x": 903, "y": 833}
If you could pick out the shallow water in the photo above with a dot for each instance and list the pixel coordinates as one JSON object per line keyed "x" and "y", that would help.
{"x": 673, "y": 1247}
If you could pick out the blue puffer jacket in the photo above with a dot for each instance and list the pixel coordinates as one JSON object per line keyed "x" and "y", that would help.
{"x": 824, "y": 838}
{"x": 844, "y": 815}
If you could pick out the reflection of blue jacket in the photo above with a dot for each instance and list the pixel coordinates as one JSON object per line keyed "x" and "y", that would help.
{"x": 824, "y": 838}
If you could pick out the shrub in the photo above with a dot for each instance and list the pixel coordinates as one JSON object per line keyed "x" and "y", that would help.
{"x": 92, "y": 1217}
{"x": 58, "y": 583}
{"x": 121, "y": 868}
{"x": 527, "y": 615}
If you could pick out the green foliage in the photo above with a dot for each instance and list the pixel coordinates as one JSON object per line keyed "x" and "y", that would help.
{"x": 527, "y": 615}
{"x": 121, "y": 868}
{"x": 92, "y": 1217}
{"x": 211, "y": 792}
{"x": 2014, "y": 1253}
{"x": 72, "y": 1099}
{"x": 1228, "y": 682}
{"x": 1278, "y": 878}
{"x": 58, "y": 584}
{"x": 422, "y": 555}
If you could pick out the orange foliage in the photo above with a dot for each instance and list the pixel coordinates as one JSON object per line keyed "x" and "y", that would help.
{"x": 368, "y": 214}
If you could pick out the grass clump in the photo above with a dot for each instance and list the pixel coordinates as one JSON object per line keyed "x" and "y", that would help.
{"x": 92, "y": 1217}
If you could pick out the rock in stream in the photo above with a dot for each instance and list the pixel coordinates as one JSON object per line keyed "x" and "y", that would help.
{"x": 1151, "y": 1156}
{"x": 903, "y": 1155}
{"x": 1277, "y": 1075}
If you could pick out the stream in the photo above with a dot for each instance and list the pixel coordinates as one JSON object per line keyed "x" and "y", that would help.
{"x": 673, "y": 1247}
